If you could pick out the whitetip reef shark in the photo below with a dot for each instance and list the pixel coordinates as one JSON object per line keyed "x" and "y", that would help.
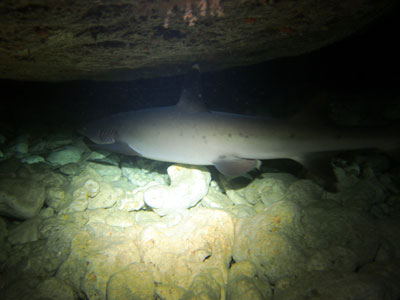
{"x": 188, "y": 133}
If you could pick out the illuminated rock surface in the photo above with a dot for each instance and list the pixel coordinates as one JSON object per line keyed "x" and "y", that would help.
{"x": 27, "y": 231}
{"x": 21, "y": 198}
{"x": 270, "y": 240}
{"x": 274, "y": 237}
{"x": 188, "y": 186}
{"x": 244, "y": 284}
{"x": 63, "y": 156}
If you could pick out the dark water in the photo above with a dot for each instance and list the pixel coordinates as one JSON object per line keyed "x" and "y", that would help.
{"x": 363, "y": 69}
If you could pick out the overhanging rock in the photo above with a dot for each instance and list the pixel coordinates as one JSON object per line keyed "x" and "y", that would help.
{"x": 123, "y": 40}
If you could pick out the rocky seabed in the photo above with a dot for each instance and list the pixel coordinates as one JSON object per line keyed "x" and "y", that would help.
{"x": 82, "y": 224}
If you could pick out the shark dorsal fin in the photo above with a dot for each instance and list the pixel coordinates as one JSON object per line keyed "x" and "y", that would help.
{"x": 191, "y": 102}
{"x": 316, "y": 111}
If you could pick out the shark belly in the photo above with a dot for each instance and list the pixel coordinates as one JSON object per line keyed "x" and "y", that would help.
{"x": 199, "y": 139}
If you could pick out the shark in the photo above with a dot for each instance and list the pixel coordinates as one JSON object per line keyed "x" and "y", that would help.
{"x": 189, "y": 133}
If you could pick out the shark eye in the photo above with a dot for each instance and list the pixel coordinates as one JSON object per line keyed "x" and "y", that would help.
{"x": 107, "y": 136}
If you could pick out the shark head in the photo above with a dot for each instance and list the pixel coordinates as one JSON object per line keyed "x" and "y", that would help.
{"x": 105, "y": 137}
{"x": 99, "y": 134}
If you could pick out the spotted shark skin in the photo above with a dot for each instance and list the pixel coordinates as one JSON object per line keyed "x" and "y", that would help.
{"x": 188, "y": 133}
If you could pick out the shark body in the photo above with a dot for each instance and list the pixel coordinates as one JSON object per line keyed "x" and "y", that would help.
{"x": 188, "y": 133}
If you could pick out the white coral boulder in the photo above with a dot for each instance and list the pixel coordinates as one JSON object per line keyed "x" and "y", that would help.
{"x": 188, "y": 186}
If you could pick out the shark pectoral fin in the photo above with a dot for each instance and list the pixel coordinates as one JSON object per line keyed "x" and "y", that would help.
{"x": 319, "y": 169}
{"x": 236, "y": 166}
